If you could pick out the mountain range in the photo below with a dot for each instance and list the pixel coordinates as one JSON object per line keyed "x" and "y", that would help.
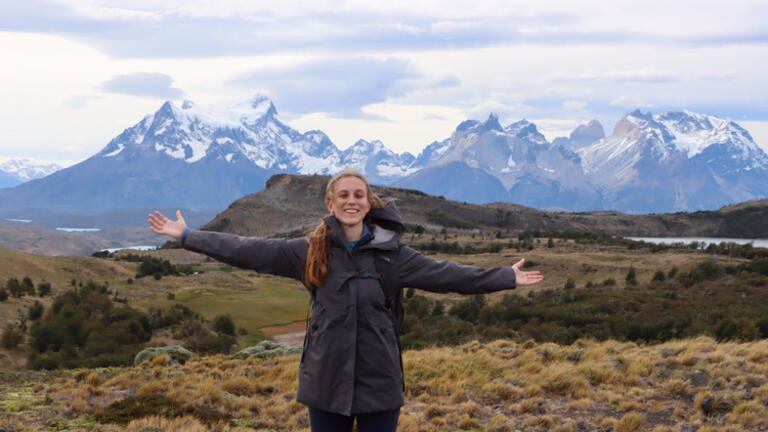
{"x": 204, "y": 158}
{"x": 17, "y": 171}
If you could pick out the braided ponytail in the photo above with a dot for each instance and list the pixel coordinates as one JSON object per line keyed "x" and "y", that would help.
{"x": 317, "y": 256}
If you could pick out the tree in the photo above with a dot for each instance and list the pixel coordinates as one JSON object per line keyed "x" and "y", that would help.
{"x": 43, "y": 288}
{"x": 14, "y": 287}
{"x": 27, "y": 286}
{"x": 35, "y": 311}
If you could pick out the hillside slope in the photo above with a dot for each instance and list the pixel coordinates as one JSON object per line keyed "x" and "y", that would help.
{"x": 292, "y": 204}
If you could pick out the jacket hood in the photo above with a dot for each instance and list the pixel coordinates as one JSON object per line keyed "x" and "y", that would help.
{"x": 387, "y": 217}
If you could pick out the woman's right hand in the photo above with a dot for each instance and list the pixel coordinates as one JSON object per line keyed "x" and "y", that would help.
{"x": 159, "y": 224}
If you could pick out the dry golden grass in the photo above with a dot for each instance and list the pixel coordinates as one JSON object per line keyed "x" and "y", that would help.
{"x": 630, "y": 422}
{"x": 500, "y": 386}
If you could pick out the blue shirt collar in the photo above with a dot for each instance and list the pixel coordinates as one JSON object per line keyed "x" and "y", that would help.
{"x": 365, "y": 238}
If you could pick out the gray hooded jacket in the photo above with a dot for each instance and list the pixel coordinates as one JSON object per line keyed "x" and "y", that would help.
{"x": 351, "y": 360}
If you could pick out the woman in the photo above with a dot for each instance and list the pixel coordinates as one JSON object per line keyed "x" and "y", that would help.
{"x": 350, "y": 367}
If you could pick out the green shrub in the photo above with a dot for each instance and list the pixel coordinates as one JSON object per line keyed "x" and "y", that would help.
{"x": 658, "y": 276}
{"x": 84, "y": 329}
{"x": 418, "y": 306}
{"x": 672, "y": 272}
{"x": 28, "y": 286}
{"x": 740, "y": 329}
{"x": 35, "y": 311}
{"x": 468, "y": 309}
{"x": 762, "y": 326}
{"x": 438, "y": 309}
{"x": 759, "y": 265}
{"x": 631, "y": 277}
{"x": 14, "y": 288}
{"x": 12, "y": 336}
{"x": 224, "y": 324}
{"x": 43, "y": 289}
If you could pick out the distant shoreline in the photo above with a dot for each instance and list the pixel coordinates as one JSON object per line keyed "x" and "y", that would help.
{"x": 761, "y": 243}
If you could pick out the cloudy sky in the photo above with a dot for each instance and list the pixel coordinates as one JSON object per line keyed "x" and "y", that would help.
{"x": 75, "y": 73}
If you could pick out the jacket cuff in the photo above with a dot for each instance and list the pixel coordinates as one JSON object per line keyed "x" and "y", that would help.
{"x": 184, "y": 236}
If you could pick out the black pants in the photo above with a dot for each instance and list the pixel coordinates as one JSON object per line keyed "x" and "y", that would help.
{"x": 383, "y": 421}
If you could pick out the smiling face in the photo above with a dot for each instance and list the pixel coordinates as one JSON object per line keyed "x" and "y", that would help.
{"x": 349, "y": 202}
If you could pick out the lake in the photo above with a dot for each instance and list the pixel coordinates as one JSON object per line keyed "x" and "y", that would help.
{"x": 139, "y": 248}
{"x": 761, "y": 243}
{"x": 18, "y": 220}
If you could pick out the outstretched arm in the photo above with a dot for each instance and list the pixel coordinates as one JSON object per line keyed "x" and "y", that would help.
{"x": 159, "y": 224}
{"x": 275, "y": 256}
{"x": 419, "y": 271}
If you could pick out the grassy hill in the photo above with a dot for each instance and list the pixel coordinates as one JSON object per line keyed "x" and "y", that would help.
{"x": 293, "y": 204}
{"x": 693, "y": 384}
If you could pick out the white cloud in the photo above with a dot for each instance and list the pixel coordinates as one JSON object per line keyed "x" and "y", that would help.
{"x": 156, "y": 85}
{"x": 759, "y": 132}
{"x": 461, "y": 60}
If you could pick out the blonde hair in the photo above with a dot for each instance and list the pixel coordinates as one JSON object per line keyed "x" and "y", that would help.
{"x": 316, "y": 265}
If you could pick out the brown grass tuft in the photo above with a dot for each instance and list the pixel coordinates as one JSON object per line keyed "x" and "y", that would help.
{"x": 543, "y": 421}
{"x": 94, "y": 379}
{"x": 749, "y": 414}
{"x": 157, "y": 387}
{"x": 239, "y": 385}
{"x": 496, "y": 393}
{"x": 468, "y": 423}
{"x": 631, "y": 422}
{"x": 435, "y": 410}
{"x": 500, "y": 423}
{"x": 155, "y": 423}
{"x": 535, "y": 405}
{"x": 678, "y": 387}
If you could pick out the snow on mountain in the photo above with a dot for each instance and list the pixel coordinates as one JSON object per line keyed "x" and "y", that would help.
{"x": 203, "y": 158}
{"x": 252, "y": 133}
{"x": 18, "y": 171}
{"x": 380, "y": 164}
{"x": 676, "y": 161}
{"x": 487, "y": 161}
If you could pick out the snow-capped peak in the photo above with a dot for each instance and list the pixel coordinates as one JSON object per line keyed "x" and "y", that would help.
{"x": 526, "y": 130}
{"x": 28, "y": 169}
{"x": 692, "y": 133}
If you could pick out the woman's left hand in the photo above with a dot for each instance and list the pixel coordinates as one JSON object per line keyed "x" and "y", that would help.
{"x": 526, "y": 277}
